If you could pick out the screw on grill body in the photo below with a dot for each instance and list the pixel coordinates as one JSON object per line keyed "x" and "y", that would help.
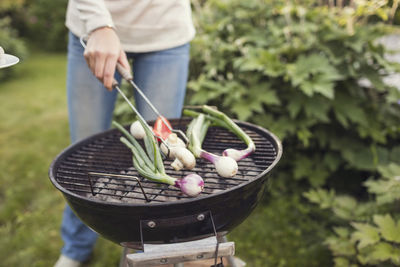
{"x": 200, "y": 256}
{"x": 200, "y": 217}
{"x": 151, "y": 224}
{"x": 163, "y": 260}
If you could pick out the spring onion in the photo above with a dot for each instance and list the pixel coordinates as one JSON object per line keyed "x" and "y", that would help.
{"x": 150, "y": 164}
{"x": 196, "y": 132}
{"x": 218, "y": 118}
{"x": 137, "y": 130}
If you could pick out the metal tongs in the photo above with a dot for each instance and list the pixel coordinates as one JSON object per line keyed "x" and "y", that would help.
{"x": 128, "y": 77}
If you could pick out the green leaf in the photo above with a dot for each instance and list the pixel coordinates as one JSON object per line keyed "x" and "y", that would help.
{"x": 390, "y": 171}
{"x": 320, "y": 196}
{"x": 314, "y": 74}
{"x": 341, "y": 246}
{"x": 303, "y": 167}
{"x": 385, "y": 251}
{"x": 304, "y": 135}
{"x": 345, "y": 207}
{"x": 388, "y": 227}
{"x": 395, "y": 155}
{"x": 362, "y": 159}
{"x": 242, "y": 111}
{"x": 323, "y": 86}
{"x": 386, "y": 190}
{"x": 317, "y": 108}
{"x": 318, "y": 176}
{"x": 343, "y": 262}
{"x": 268, "y": 97}
{"x": 365, "y": 235}
{"x": 332, "y": 161}
{"x": 294, "y": 107}
{"x": 342, "y": 231}
{"x": 348, "y": 108}
{"x": 307, "y": 88}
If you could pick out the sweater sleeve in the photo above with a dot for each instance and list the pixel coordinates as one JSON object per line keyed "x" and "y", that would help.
{"x": 94, "y": 14}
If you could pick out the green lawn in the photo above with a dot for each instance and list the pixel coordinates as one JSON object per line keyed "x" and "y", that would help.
{"x": 34, "y": 129}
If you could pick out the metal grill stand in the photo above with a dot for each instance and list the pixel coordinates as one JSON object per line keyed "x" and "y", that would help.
{"x": 177, "y": 253}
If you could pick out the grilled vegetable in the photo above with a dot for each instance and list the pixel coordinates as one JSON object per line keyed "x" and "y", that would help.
{"x": 150, "y": 164}
{"x": 160, "y": 129}
{"x": 220, "y": 119}
{"x": 178, "y": 151}
{"x": 196, "y": 132}
{"x": 137, "y": 130}
{"x": 191, "y": 185}
{"x": 177, "y": 148}
{"x": 172, "y": 141}
{"x": 183, "y": 158}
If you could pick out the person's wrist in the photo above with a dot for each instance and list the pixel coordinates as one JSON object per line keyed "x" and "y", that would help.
{"x": 105, "y": 27}
{"x": 85, "y": 38}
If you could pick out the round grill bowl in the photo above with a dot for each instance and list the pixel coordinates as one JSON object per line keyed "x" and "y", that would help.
{"x": 160, "y": 220}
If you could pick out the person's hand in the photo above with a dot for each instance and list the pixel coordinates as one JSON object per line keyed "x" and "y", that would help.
{"x": 103, "y": 51}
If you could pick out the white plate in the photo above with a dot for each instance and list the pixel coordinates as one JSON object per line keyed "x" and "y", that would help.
{"x": 7, "y": 60}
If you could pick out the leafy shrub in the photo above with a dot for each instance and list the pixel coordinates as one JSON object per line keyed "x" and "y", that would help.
{"x": 295, "y": 68}
{"x": 42, "y": 22}
{"x": 368, "y": 232}
{"x": 296, "y": 71}
{"x": 282, "y": 232}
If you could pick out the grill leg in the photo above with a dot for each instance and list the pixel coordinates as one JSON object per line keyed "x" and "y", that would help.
{"x": 230, "y": 258}
{"x": 122, "y": 261}
{"x": 179, "y": 265}
{"x": 232, "y": 261}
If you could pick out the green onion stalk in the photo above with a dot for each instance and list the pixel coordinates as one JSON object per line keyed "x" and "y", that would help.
{"x": 150, "y": 165}
{"x": 196, "y": 132}
{"x": 218, "y": 118}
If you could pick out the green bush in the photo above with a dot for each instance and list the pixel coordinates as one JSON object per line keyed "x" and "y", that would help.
{"x": 283, "y": 232}
{"x": 296, "y": 71}
{"x": 295, "y": 67}
{"x": 368, "y": 231}
{"x": 42, "y": 22}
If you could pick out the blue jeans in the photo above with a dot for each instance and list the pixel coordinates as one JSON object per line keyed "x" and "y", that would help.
{"x": 162, "y": 75}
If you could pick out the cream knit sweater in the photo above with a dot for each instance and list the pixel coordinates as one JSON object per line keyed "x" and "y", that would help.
{"x": 142, "y": 25}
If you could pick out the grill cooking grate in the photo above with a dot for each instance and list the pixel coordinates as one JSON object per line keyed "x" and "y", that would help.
{"x": 106, "y": 154}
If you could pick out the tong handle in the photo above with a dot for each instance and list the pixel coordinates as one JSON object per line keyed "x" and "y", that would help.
{"x": 125, "y": 73}
{"x": 115, "y": 83}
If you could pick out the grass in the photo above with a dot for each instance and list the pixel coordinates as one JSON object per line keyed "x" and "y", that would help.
{"x": 34, "y": 129}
